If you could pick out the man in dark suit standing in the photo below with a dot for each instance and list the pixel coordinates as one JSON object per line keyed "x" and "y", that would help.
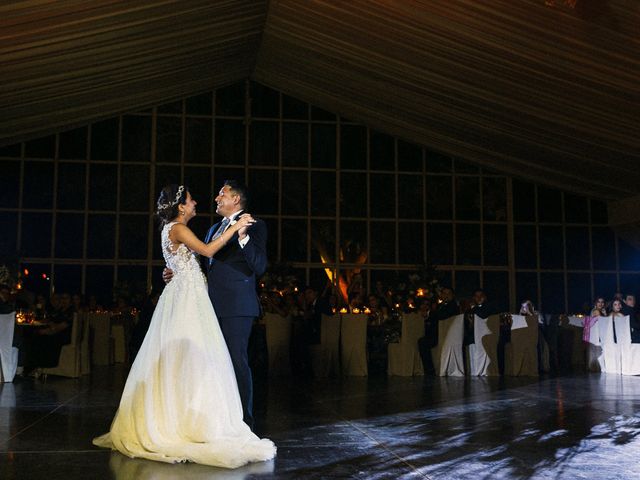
{"x": 232, "y": 275}
{"x": 447, "y": 308}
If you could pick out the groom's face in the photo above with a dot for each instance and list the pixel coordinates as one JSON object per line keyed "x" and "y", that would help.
{"x": 227, "y": 201}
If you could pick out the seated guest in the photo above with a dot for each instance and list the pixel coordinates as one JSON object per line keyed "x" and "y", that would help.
{"x": 42, "y": 349}
{"x": 527, "y": 308}
{"x": 599, "y": 308}
{"x": 272, "y": 303}
{"x": 379, "y": 313}
{"x": 424, "y": 310}
{"x": 447, "y": 308}
{"x": 616, "y": 308}
{"x": 629, "y": 305}
{"x": 78, "y": 303}
{"x": 314, "y": 308}
{"x": 480, "y": 307}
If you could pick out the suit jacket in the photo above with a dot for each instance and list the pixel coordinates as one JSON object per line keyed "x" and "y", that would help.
{"x": 233, "y": 271}
{"x": 483, "y": 311}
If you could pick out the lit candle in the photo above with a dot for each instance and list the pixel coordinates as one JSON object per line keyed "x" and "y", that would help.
{"x": 356, "y": 310}
{"x": 367, "y": 311}
{"x": 343, "y": 310}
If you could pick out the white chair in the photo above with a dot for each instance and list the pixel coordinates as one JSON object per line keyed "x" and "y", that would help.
{"x": 353, "y": 341}
{"x": 325, "y": 357}
{"x": 404, "y": 357}
{"x": 100, "y": 327}
{"x": 8, "y": 353}
{"x": 119, "y": 342}
{"x": 447, "y": 354}
{"x": 521, "y": 353}
{"x": 610, "y": 349}
{"x": 69, "y": 363}
{"x": 629, "y": 352}
{"x": 278, "y": 332}
{"x": 482, "y": 356}
{"x": 575, "y": 329}
{"x": 594, "y": 354}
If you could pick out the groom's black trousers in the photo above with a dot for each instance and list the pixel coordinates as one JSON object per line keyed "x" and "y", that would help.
{"x": 236, "y": 331}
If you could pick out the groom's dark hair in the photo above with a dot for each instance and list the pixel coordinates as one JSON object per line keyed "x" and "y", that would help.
{"x": 239, "y": 189}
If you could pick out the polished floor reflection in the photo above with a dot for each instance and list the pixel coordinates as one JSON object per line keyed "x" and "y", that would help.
{"x": 581, "y": 426}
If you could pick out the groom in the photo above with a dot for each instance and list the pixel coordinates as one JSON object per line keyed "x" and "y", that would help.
{"x": 232, "y": 275}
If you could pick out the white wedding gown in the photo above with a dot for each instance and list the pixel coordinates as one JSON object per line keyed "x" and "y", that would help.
{"x": 181, "y": 402}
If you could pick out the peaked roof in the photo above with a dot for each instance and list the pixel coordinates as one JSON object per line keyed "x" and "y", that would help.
{"x": 547, "y": 90}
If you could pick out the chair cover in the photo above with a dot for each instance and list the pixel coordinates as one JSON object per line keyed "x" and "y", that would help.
{"x": 8, "y": 353}
{"x": 591, "y": 336}
{"x": 482, "y": 356}
{"x": 610, "y": 349}
{"x": 353, "y": 341}
{"x": 100, "y": 325}
{"x": 69, "y": 364}
{"x": 278, "y": 332}
{"x": 629, "y": 352}
{"x": 404, "y": 357}
{"x": 521, "y": 353}
{"x": 447, "y": 354}
{"x": 325, "y": 357}
{"x": 119, "y": 343}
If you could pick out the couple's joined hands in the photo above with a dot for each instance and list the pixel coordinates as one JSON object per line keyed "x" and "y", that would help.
{"x": 239, "y": 226}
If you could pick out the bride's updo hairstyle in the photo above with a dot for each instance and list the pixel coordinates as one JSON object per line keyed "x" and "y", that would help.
{"x": 170, "y": 198}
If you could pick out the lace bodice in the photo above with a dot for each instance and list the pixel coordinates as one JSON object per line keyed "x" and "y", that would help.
{"x": 182, "y": 261}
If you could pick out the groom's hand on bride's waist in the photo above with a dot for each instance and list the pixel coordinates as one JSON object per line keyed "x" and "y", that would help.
{"x": 167, "y": 275}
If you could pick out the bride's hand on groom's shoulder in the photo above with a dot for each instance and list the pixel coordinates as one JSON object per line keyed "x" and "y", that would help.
{"x": 167, "y": 275}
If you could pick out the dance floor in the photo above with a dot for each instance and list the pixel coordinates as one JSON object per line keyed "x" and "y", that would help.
{"x": 579, "y": 426}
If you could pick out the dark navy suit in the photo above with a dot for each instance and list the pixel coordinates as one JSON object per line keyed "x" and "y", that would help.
{"x": 231, "y": 275}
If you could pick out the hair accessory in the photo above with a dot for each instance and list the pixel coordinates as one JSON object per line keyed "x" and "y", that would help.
{"x": 164, "y": 206}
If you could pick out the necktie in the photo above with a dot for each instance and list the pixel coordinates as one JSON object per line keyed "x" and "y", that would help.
{"x": 223, "y": 225}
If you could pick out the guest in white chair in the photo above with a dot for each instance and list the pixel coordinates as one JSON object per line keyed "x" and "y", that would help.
{"x": 481, "y": 307}
{"x": 599, "y": 308}
{"x": 447, "y": 307}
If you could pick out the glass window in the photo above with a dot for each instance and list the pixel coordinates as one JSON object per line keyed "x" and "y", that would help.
{"x": 11, "y": 150}
{"x": 36, "y": 234}
{"x": 494, "y": 199}
{"x": 199, "y": 181}
{"x": 525, "y": 246}
{"x": 71, "y": 186}
{"x": 467, "y": 198}
{"x": 133, "y": 236}
{"x": 383, "y": 242}
{"x": 197, "y": 145}
{"x": 132, "y": 280}
{"x": 410, "y": 201}
{"x": 604, "y": 253}
{"x": 263, "y": 144}
{"x": 439, "y": 198}
{"x": 173, "y": 108}
{"x": 323, "y": 241}
{"x": 579, "y": 292}
{"x": 8, "y": 233}
{"x": 322, "y": 115}
{"x": 99, "y": 282}
{"x": 199, "y": 104}
{"x": 549, "y": 205}
{"x": 41, "y": 147}
{"x": 577, "y": 248}
{"x": 524, "y": 206}
{"x": 466, "y": 282}
{"x": 353, "y": 194}
{"x": 630, "y": 283}
{"x": 467, "y": 244}
{"x": 265, "y": 102}
{"x": 409, "y": 157}
{"x": 169, "y": 140}
{"x": 136, "y": 138}
{"x": 496, "y": 286}
{"x": 230, "y": 135}
{"x": 9, "y": 183}
{"x": 37, "y": 186}
{"x": 228, "y": 173}
{"x": 295, "y": 144}
{"x": 551, "y": 247}
{"x": 527, "y": 288}
{"x": 599, "y": 212}
{"x": 165, "y": 175}
{"x": 101, "y": 232}
{"x": 382, "y": 152}
{"x": 410, "y": 239}
{"x": 353, "y": 240}
{"x": 495, "y": 245}
{"x": 353, "y": 147}
{"x": 576, "y": 209}
{"x": 323, "y": 194}
{"x": 264, "y": 188}
{"x": 438, "y": 163}
{"x": 552, "y": 293}
{"x": 73, "y": 144}
{"x": 382, "y": 197}
{"x": 69, "y": 235}
{"x": 294, "y": 108}
{"x": 272, "y": 238}
{"x": 38, "y": 280}
{"x": 605, "y": 285}
{"x": 68, "y": 279}
{"x": 629, "y": 256}
{"x": 295, "y": 188}
{"x": 440, "y": 243}
{"x": 323, "y": 146}
{"x": 230, "y": 100}
{"x": 104, "y": 140}
{"x": 465, "y": 167}
{"x": 134, "y": 188}
{"x": 294, "y": 240}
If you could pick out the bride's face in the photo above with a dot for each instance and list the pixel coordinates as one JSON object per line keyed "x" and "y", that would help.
{"x": 189, "y": 207}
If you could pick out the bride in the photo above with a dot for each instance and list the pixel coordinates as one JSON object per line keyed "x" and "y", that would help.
{"x": 180, "y": 402}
